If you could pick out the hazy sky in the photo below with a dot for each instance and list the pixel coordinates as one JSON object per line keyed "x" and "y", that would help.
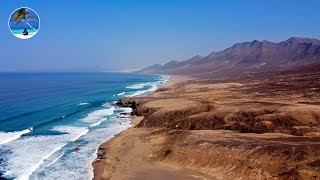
{"x": 104, "y": 35}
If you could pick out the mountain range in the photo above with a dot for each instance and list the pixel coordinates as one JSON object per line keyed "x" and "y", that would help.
{"x": 247, "y": 57}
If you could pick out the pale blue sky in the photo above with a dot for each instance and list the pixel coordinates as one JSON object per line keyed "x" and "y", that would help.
{"x": 96, "y": 35}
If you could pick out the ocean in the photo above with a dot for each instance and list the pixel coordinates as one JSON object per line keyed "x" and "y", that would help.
{"x": 20, "y": 31}
{"x": 51, "y": 124}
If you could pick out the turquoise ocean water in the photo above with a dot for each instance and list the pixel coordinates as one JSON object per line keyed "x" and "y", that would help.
{"x": 20, "y": 31}
{"x": 52, "y": 124}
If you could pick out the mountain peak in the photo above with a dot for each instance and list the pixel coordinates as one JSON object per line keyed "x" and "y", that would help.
{"x": 255, "y": 42}
{"x": 252, "y": 43}
{"x": 197, "y": 56}
{"x": 303, "y": 40}
{"x": 172, "y": 62}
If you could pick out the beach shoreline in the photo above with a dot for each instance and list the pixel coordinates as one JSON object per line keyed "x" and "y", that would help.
{"x": 111, "y": 152}
{"x": 21, "y": 36}
{"x": 193, "y": 128}
{"x": 97, "y": 164}
{"x": 76, "y": 123}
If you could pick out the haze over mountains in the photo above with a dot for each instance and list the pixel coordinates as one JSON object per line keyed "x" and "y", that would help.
{"x": 247, "y": 57}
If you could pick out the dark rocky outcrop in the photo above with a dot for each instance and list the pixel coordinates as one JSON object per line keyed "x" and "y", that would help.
{"x": 128, "y": 102}
{"x": 100, "y": 153}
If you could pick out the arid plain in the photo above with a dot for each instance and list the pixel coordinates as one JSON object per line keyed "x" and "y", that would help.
{"x": 255, "y": 126}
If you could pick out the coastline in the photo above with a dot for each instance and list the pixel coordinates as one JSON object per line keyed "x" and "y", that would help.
{"x": 98, "y": 163}
{"x": 66, "y": 142}
{"x": 195, "y": 128}
{"x": 127, "y": 146}
{"x": 21, "y": 36}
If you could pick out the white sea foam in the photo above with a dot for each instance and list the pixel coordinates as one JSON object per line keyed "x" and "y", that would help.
{"x": 136, "y": 86}
{"x": 38, "y": 164}
{"x": 98, "y": 123}
{"x": 77, "y": 164}
{"x": 83, "y": 103}
{"x": 107, "y": 105}
{"x": 77, "y": 132}
{"x": 41, "y": 157}
{"x": 6, "y": 137}
{"x": 125, "y": 109}
{"x": 164, "y": 78}
{"x": 55, "y": 160}
{"x": 153, "y": 86}
{"x": 27, "y": 154}
{"x": 141, "y": 92}
{"x": 120, "y": 94}
{"x": 137, "y": 93}
{"x": 97, "y": 115}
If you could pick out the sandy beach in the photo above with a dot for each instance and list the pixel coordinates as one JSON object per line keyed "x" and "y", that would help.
{"x": 227, "y": 128}
{"x": 21, "y": 36}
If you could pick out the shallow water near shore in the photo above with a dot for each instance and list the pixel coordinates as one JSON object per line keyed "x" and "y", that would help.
{"x": 20, "y": 31}
{"x": 52, "y": 124}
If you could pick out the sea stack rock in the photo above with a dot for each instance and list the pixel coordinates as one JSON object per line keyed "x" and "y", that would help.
{"x": 25, "y": 32}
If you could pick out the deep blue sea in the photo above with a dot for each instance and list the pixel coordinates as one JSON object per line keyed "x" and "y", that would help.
{"x": 52, "y": 123}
